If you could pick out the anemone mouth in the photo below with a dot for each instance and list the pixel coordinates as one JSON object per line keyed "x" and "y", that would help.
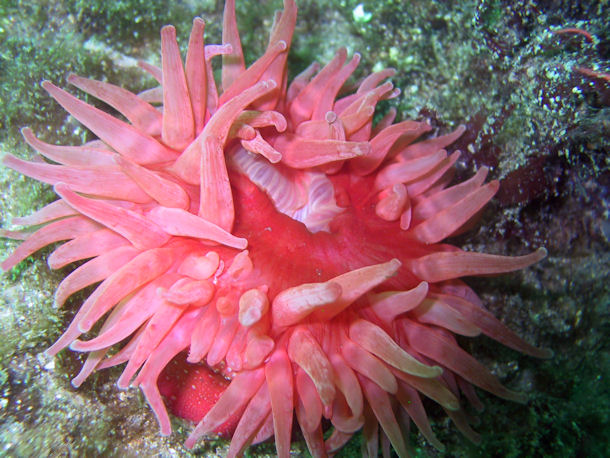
{"x": 306, "y": 196}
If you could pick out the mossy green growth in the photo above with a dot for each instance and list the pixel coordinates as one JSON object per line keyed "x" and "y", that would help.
{"x": 489, "y": 14}
{"x": 36, "y": 48}
{"x": 29, "y": 320}
{"x": 123, "y": 22}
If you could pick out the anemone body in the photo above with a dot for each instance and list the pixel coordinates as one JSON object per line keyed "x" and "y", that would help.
{"x": 274, "y": 234}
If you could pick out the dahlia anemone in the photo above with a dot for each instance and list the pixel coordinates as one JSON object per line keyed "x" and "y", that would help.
{"x": 280, "y": 238}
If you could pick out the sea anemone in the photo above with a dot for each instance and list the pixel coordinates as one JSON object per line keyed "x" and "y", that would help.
{"x": 271, "y": 231}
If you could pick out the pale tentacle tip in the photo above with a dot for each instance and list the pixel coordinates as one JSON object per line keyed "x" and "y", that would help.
{"x": 189, "y": 443}
{"x": 60, "y": 187}
{"x": 241, "y": 243}
{"x": 395, "y": 263}
{"x": 520, "y": 398}
{"x": 122, "y": 386}
{"x": 436, "y": 371}
{"x": 193, "y": 359}
{"x": 168, "y": 29}
{"x": 546, "y": 353}
{"x": 453, "y": 404}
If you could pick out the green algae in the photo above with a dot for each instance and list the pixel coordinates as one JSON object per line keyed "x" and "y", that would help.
{"x": 122, "y": 23}
{"x": 37, "y": 45}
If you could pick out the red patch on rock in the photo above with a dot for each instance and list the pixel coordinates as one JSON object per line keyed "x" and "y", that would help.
{"x": 190, "y": 391}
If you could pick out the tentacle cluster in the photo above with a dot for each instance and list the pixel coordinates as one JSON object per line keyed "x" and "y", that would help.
{"x": 159, "y": 209}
